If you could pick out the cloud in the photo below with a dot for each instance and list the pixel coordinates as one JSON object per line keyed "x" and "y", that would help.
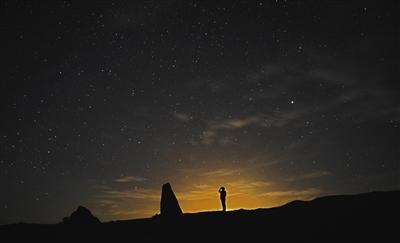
{"x": 265, "y": 72}
{"x": 332, "y": 76}
{"x": 353, "y": 89}
{"x": 197, "y": 195}
{"x": 310, "y": 175}
{"x": 184, "y": 117}
{"x": 107, "y": 203}
{"x": 130, "y": 179}
{"x": 129, "y": 214}
{"x": 187, "y": 170}
{"x": 100, "y": 187}
{"x": 354, "y": 93}
{"x": 216, "y": 85}
{"x": 207, "y": 137}
{"x": 235, "y": 123}
{"x": 201, "y": 186}
{"x": 251, "y": 165}
{"x": 248, "y": 184}
{"x": 234, "y": 187}
{"x": 228, "y": 140}
{"x": 127, "y": 203}
{"x": 315, "y": 174}
{"x": 298, "y": 194}
{"x": 361, "y": 94}
{"x": 266, "y": 164}
{"x": 273, "y": 119}
{"x": 137, "y": 193}
{"x": 221, "y": 172}
{"x": 348, "y": 90}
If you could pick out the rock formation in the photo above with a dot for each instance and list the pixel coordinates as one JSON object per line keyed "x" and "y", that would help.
{"x": 169, "y": 206}
{"x": 81, "y": 216}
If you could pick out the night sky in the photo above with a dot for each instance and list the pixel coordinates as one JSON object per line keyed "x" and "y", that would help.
{"x": 103, "y": 102}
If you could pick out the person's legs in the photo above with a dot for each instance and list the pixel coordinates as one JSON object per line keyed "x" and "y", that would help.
{"x": 223, "y": 205}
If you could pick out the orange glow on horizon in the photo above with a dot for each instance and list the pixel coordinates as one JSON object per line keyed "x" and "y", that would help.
{"x": 199, "y": 193}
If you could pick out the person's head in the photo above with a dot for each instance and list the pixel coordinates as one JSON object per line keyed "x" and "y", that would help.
{"x": 222, "y": 188}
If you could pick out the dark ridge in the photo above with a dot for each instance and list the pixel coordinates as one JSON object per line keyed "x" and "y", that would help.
{"x": 367, "y": 217}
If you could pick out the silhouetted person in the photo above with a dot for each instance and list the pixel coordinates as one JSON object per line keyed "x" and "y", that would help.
{"x": 222, "y": 195}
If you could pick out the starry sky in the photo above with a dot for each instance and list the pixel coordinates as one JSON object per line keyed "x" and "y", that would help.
{"x": 103, "y": 102}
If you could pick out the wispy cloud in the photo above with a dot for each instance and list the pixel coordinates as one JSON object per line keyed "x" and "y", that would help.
{"x": 315, "y": 174}
{"x": 197, "y": 194}
{"x": 100, "y": 187}
{"x": 310, "y": 175}
{"x": 137, "y": 193}
{"x": 235, "y": 188}
{"x": 251, "y": 165}
{"x": 355, "y": 88}
{"x": 228, "y": 140}
{"x": 298, "y": 194}
{"x": 187, "y": 170}
{"x": 104, "y": 202}
{"x": 183, "y": 117}
{"x": 333, "y": 76}
{"x": 126, "y": 203}
{"x": 356, "y": 92}
{"x": 265, "y": 164}
{"x": 209, "y": 135}
{"x": 201, "y": 186}
{"x": 248, "y": 184}
{"x": 124, "y": 213}
{"x": 221, "y": 172}
{"x": 273, "y": 119}
{"x": 235, "y": 123}
{"x": 130, "y": 179}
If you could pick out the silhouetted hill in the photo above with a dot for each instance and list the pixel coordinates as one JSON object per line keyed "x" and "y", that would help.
{"x": 81, "y": 216}
{"x": 368, "y": 217}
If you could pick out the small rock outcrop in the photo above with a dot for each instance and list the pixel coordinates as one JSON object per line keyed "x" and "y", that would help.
{"x": 169, "y": 206}
{"x": 81, "y": 216}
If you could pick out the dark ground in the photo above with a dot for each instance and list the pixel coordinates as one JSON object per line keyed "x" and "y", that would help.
{"x": 368, "y": 217}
